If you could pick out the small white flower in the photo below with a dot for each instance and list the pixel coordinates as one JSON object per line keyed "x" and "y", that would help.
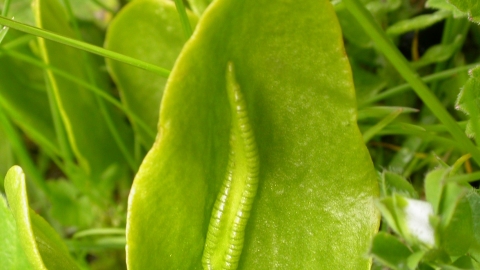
{"x": 417, "y": 215}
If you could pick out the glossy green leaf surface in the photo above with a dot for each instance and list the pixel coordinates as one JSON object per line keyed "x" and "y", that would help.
{"x": 42, "y": 245}
{"x": 148, "y": 30}
{"x": 11, "y": 253}
{"x": 87, "y": 130}
{"x": 314, "y": 205}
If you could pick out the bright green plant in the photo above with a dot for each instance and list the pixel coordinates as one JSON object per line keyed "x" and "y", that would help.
{"x": 237, "y": 120}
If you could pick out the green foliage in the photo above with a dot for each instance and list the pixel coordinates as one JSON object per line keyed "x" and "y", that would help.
{"x": 438, "y": 233}
{"x": 260, "y": 160}
{"x": 283, "y": 103}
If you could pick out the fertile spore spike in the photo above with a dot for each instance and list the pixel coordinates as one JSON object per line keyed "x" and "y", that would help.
{"x": 231, "y": 211}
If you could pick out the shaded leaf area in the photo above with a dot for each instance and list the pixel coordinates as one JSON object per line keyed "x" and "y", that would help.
{"x": 42, "y": 246}
{"x": 88, "y": 132}
{"x": 148, "y": 30}
{"x": 437, "y": 233}
{"x": 24, "y": 97}
{"x": 314, "y": 206}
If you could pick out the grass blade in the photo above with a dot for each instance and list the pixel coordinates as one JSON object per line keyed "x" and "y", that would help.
{"x": 365, "y": 19}
{"x": 83, "y": 46}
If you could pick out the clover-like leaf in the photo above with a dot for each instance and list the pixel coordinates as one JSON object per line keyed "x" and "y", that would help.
{"x": 469, "y": 102}
{"x": 390, "y": 251}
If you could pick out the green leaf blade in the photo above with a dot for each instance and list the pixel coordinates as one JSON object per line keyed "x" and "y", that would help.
{"x": 41, "y": 244}
{"x": 140, "y": 32}
{"x": 78, "y": 107}
{"x": 303, "y": 115}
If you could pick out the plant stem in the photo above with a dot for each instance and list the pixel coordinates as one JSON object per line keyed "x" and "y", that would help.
{"x": 84, "y": 46}
{"x": 182, "y": 13}
{"x": 367, "y": 22}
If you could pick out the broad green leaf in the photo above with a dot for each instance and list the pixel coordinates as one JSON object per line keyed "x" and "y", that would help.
{"x": 41, "y": 244}
{"x": 199, "y": 6}
{"x": 417, "y": 23}
{"x": 393, "y": 183}
{"x": 148, "y": 30}
{"x": 314, "y": 207}
{"x": 11, "y": 253}
{"x": 390, "y": 251}
{"x": 89, "y": 136}
{"x": 467, "y": 102}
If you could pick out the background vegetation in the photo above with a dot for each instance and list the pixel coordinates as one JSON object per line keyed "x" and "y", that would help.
{"x": 415, "y": 134}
